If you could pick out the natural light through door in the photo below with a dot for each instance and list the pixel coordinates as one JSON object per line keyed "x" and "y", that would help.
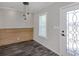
{"x": 73, "y": 32}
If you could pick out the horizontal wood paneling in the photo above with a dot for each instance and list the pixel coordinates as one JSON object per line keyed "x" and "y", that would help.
{"x": 9, "y": 36}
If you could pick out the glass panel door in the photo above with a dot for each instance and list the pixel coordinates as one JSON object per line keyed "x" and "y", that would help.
{"x": 73, "y": 32}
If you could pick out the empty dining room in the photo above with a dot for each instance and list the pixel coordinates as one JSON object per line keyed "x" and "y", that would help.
{"x": 39, "y": 28}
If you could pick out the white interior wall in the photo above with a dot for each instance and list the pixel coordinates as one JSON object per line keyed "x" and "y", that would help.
{"x": 13, "y": 19}
{"x": 52, "y": 41}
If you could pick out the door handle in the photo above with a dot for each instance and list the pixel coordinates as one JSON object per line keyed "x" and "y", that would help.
{"x": 62, "y": 34}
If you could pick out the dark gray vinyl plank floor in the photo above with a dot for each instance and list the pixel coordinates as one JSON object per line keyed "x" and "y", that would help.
{"x": 30, "y": 48}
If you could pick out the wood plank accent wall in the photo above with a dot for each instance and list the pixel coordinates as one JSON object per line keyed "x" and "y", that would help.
{"x": 9, "y": 36}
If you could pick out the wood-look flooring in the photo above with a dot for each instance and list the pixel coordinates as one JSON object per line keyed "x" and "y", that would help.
{"x": 30, "y": 48}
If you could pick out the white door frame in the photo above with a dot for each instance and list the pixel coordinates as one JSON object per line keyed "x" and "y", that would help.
{"x": 61, "y": 18}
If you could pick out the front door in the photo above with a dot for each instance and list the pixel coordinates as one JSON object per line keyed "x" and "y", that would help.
{"x": 69, "y": 30}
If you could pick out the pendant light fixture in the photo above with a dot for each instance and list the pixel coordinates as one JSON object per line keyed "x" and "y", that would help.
{"x": 26, "y": 10}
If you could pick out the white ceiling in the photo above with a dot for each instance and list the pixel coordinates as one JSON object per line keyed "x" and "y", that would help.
{"x": 18, "y": 6}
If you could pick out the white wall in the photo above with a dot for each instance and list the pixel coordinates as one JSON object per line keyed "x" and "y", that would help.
{"x": 53, "y": 18}
{"x": 13, "y": 19}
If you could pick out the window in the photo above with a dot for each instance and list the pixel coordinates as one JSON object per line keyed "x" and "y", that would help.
{"x": 42, "y": 25}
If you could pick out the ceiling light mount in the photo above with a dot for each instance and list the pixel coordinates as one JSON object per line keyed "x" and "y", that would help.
{"x": 26, "y": 3}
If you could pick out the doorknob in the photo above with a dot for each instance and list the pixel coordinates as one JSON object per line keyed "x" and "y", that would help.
{"x": 62, "y": 34}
